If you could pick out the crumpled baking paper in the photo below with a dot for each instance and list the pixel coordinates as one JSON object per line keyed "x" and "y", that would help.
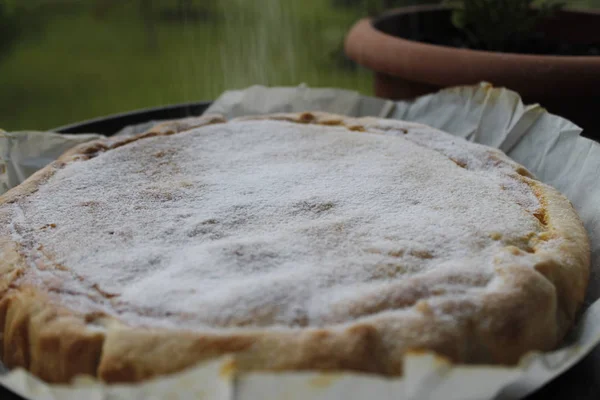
{"x": 23, "y": 153}
{"x": 549, "y": 146}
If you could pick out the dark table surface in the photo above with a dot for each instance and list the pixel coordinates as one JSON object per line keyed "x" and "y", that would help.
{"x": 582, "y": 382}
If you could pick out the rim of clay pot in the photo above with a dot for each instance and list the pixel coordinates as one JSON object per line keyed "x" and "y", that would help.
{"x": 449, "y": 66}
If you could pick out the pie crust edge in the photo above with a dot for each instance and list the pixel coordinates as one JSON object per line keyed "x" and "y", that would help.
{"x": 57, "y": 344}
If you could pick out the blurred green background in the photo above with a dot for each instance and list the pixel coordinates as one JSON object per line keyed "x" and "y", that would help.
{"x": 63, "y": 61}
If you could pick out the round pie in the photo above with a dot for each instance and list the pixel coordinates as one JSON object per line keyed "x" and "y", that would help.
{"x": 291, "y": 242}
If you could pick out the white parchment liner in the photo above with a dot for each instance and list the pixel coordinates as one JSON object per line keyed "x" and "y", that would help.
{"x": 549, "y": 146}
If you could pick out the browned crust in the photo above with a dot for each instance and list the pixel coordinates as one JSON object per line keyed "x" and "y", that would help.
{"x": 90, "y": 149}
{"x": 52, "y": 343}
{"x": 49, "y": 341}
{"x": 536, "y": 306}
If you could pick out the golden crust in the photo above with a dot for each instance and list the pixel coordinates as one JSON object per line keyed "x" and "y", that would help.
{"x": 52, "y": 343}
{"x": 37, "y": 335}
{"x": 534, "y": 311}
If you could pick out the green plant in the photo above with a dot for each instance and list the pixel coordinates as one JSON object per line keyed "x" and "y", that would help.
{"x": 498, "y": 24}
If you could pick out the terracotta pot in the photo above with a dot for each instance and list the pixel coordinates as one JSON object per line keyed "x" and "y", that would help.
{"x": 406, "y": 68}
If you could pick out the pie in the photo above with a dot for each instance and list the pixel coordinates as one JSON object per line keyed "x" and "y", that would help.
{"x": 291, "y": 242}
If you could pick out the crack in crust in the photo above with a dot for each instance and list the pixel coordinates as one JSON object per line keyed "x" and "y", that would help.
{"x": 57, "y": 344}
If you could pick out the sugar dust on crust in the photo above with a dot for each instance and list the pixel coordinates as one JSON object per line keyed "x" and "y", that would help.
{"x": 293, "y": 241}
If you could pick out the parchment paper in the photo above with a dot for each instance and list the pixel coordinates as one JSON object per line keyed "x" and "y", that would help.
{"x": 549, "y": 146}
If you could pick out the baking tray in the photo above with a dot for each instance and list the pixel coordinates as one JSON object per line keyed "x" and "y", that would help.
{"x": 113, "y": 123}
{"x": 581, "y": 382}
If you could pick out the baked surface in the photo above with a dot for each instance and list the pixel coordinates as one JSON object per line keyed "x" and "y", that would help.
{"x": 293, "y": 241}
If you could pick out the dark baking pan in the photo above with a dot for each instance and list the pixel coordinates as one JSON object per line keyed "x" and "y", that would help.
{"x": 113, "y": 123}
{"x": 581, "y": 382}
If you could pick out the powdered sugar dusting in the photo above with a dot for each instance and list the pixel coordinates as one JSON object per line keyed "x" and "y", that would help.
{"x": 267, "y": 223}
